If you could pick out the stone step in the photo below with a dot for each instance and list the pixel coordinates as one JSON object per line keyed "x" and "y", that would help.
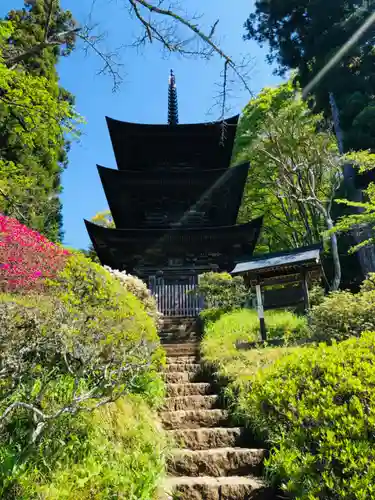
{"x": 193, "y": 419}
{"x": 191, "y": 403}
{"x": 192, "y": 389}
{"x": 183, "y": 367}
{"x": 173, "y": 336}
{"x": 207, "y": 438}
{"x": 216, "y": 488}
{"x": 185, "y": 349}
{"x": 180, "y": 377}
{"x": 216, "y": 462}
{"x": 182, "y": 359}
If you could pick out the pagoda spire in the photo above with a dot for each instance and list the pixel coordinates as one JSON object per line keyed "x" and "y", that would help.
{"x": 172, "y": 100}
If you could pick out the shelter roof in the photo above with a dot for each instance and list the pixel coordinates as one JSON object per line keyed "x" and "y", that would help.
{"x": 280, "y": 263}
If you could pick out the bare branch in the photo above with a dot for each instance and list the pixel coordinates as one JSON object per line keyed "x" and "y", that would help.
{"x": 18, "y": 404}
{"x": 110, "y": 65}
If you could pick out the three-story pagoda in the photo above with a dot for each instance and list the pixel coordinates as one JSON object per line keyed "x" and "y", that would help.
{"x": 174, "y": 198}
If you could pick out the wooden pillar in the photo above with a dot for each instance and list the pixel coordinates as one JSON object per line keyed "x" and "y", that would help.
{"x": 305, "y": 289}
{"x": 260, "y": 310}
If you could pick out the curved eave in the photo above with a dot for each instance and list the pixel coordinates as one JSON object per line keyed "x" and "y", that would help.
{"x": 206, "y": 232}
{"x": 139, "y": 176}
{"x": 111, "y": 176}
{"x": 119, "y": 247}
{"x": 182, "y": 127}
{"x": 146, "y": 147}
{"x": 191, "y": 188}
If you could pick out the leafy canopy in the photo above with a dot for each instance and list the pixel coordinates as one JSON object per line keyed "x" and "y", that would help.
{"x": 289, "y": 153}
{"x": 38, "y": 121}
{"x": 305, "y": 36}
{"x": 365, "y": 218}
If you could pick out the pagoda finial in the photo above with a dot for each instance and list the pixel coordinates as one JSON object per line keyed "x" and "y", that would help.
{"x": 172, "y": 100}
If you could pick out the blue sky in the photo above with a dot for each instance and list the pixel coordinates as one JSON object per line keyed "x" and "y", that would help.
{"x": 143, "y": 93}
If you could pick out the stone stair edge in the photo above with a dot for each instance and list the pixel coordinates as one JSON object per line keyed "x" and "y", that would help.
{"x": 210, "y": 458}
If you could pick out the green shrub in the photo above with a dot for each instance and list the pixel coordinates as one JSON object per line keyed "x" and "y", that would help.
{"x": 139, "y": 289}
{"x": 210, "y": 315}
{"x": 222, "y": 291}
{"x": 368, "y": 284}
{"x": 285, "y": 325}
{"x": 87, "y": 344}
{"x": 343, "y": 315}
{"x": 221, "y": 336}
{"x": 243, "y": 326}
{"x": 316, "y": 295}
{"x": 316, "y": 408}
{"x": 84, "y": 284}
{"x": 116, "y": 452}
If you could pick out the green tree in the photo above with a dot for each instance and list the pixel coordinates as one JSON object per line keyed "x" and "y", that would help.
{"x": 306, "y": 36}
{"x": 104, "y": 219}
{"x": 363, "y": 220}
{"x": 295, "y": 171}
{"x": 36, "y": 117}
{"x": 277, "y": 233}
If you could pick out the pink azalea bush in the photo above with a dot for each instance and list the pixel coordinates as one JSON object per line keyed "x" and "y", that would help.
{"x": 26, "y": 257}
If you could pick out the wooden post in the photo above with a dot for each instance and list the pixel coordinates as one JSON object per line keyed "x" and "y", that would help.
{"x": 305, "y": 289}
{"x": 260, "y": 310}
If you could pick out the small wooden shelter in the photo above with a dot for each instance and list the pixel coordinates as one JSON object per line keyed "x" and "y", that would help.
{"x": 290, "y": 268}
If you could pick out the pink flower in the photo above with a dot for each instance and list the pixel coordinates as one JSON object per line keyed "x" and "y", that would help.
{"x": 27, "y": 256}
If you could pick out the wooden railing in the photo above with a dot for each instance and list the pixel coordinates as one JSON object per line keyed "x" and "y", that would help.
{"x": 175, "y": 297}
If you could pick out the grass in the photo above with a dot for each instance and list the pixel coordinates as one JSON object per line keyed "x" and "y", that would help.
{"x": 221, "y": 336}
{"x": 119, "y": 451}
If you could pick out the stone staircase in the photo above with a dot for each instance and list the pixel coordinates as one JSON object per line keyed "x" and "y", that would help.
{"x": 213, "y": 460}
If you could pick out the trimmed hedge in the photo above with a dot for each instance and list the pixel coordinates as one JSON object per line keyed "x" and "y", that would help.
{"x": 316, "y": 408}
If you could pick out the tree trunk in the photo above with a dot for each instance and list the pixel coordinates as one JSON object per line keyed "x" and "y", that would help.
{"x": 335, "y": 255}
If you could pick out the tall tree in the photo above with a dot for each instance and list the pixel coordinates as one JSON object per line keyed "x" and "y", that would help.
{"x": 38, "y": 161}
{"x": 339, "y": 35}
{"x": 36, "y": 119}
{"x": 295, "y": 171}
{"x": 283, "y": 227}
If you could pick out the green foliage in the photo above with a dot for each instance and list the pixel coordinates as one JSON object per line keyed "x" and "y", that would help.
{"x": 365, "y": 162}
{"x": 83, "y": 284}
{"x": 289, "y": 152}
{"x": 116, "y": 452}
{"x": 222, "y": 291}
{"x": 37, "y": 119}
{"x": 104, "y": 219}
{"x": 316, "y": 295}
{"x": 305, "y": 36}
{"x": 342, "y": 315}
{"x": 221, "y": 336}
{"x": 315, "y": 408}
{"x": 368, "y": 284}
{"x": 89, "y": 343}
{"x": 139, "y": 289}
{"x": 219, "y": 346}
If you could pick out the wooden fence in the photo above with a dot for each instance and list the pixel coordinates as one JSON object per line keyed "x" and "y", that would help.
{"x": 175, "y": 297}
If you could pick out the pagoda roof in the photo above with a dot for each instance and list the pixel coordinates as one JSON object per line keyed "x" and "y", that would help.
{"x": 199, "y": 145}
{"x": 180, "y": 196}
{"x": 124, "y": 248}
